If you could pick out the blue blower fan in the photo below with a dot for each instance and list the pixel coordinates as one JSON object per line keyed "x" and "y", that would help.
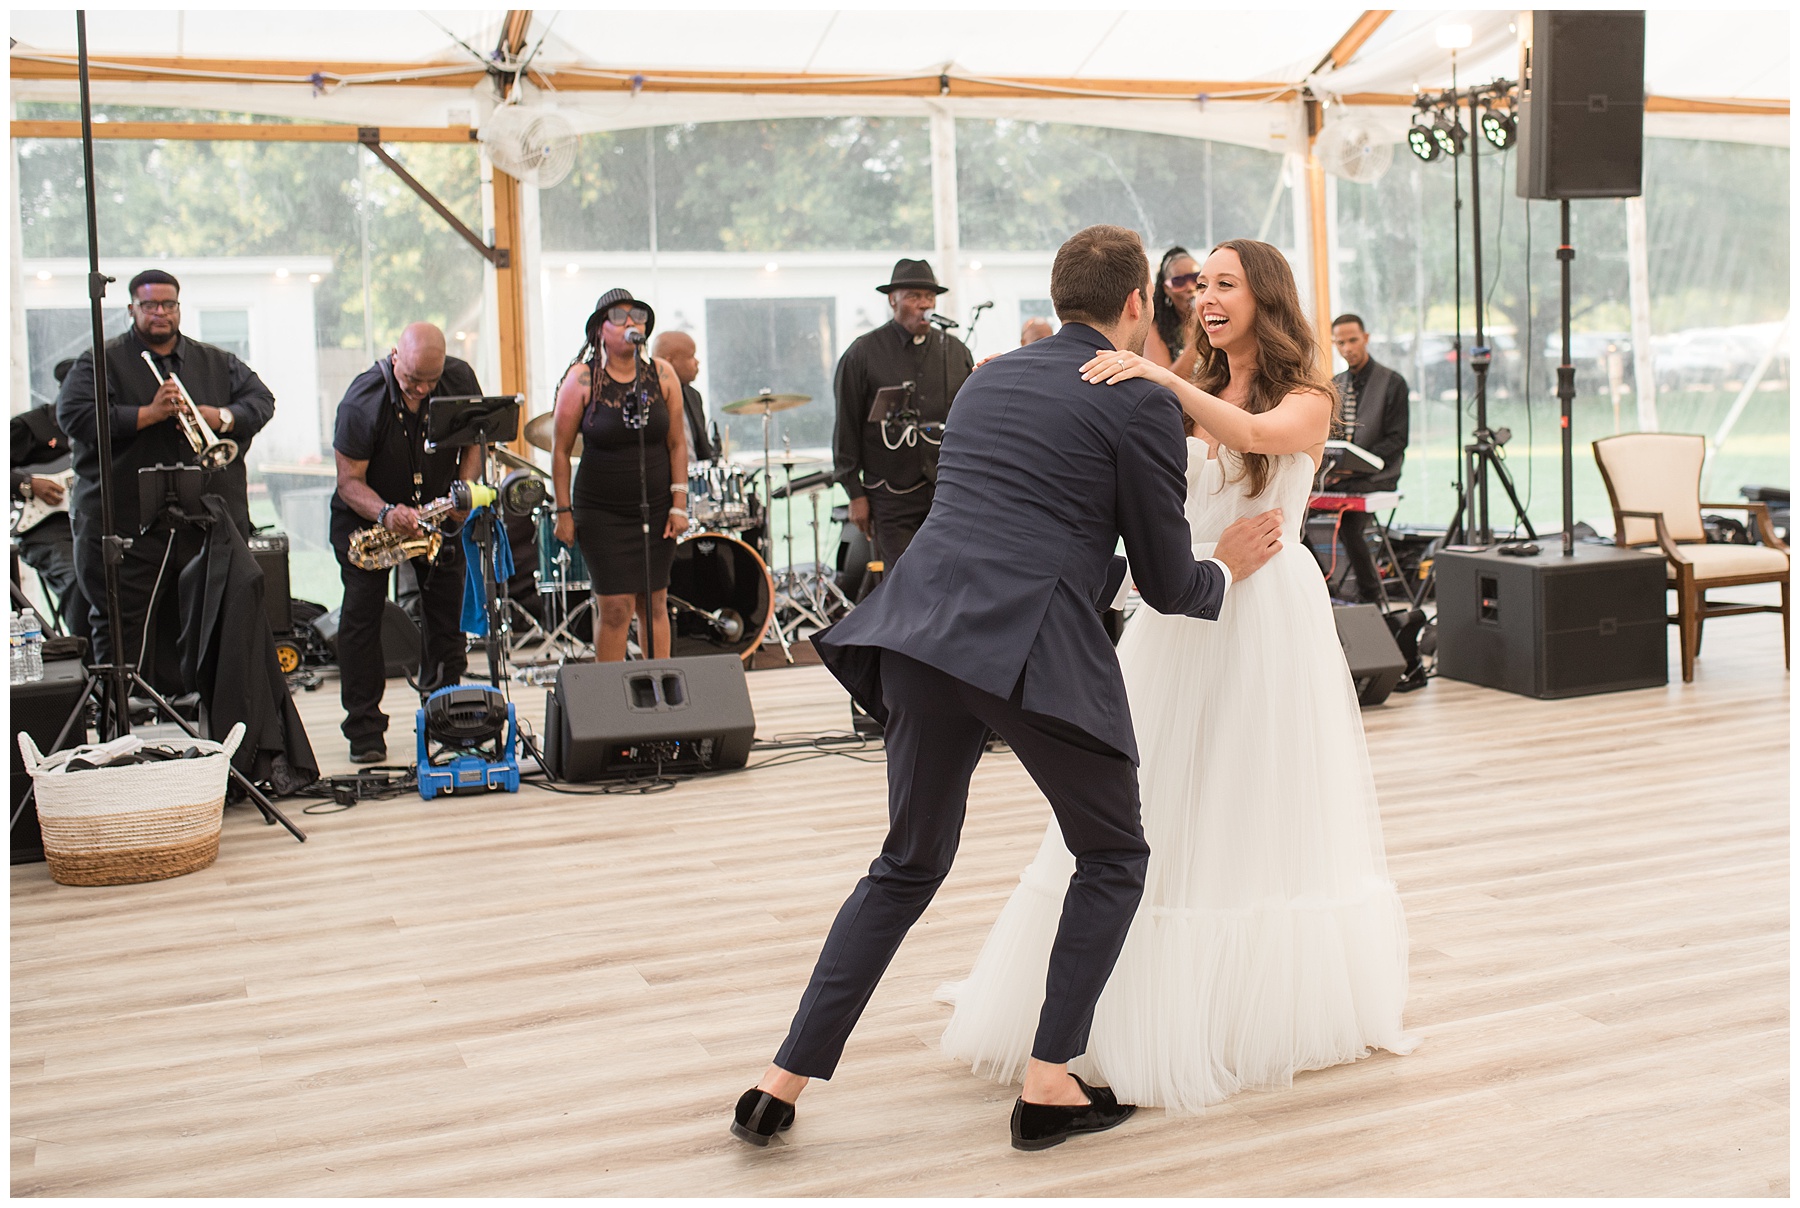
{"x": 468, "y": 739}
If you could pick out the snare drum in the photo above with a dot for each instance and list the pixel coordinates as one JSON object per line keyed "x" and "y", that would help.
{"x": 718, "y": 496}
{"x": 720, "y": 596}
{"x": 560, "y": 566}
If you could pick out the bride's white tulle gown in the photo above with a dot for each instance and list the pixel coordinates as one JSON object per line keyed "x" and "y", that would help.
{"x": 1270, "y": 938}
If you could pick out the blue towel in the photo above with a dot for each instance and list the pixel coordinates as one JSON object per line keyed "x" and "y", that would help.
{"x": 474, "y": 609}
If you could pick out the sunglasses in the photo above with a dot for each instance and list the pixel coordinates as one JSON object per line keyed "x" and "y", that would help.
{"x": 1182, "y": 281}
{"x": 620, "y": 315}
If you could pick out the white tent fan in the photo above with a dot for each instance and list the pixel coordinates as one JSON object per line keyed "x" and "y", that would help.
{"x": 1355, "y": 147}
{"x": 536, "y": 145}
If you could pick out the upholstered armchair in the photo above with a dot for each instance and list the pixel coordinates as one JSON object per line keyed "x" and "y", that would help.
{"x": 1653, "y": 479}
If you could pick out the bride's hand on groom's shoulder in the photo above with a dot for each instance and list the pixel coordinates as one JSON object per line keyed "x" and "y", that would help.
{"x": 1112, "y": 366}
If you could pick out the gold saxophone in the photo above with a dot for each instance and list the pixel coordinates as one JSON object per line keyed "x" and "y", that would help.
{"x": 379, "y": 548}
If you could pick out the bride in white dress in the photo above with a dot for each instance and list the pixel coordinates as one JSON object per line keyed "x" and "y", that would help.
{"x": 1269, "y": 938}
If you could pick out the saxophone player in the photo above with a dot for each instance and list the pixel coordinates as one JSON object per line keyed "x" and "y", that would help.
{"x": 146, "y": 431}
{"x": 384, "y": 475}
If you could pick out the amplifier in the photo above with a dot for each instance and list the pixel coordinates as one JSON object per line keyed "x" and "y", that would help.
{"x": 1376, "y": 663}
{"x": 1549, "y": 626}
{"x": 630, "y": 719}
{"x": 271, "y": 553}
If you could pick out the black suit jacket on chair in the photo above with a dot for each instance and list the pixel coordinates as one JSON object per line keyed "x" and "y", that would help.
{"x": 1039, "y": 476}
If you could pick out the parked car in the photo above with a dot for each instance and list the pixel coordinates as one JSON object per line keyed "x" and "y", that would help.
{"x": 1594, "y": 355}
{"x": 1505, "y": 370}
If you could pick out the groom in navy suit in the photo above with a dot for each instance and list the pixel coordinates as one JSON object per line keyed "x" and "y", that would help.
{"x": 993, "y": 621}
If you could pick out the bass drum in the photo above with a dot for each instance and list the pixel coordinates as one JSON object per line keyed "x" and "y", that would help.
{"x": 720, "y": 597}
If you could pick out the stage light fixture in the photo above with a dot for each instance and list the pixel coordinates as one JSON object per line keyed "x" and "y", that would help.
{"x": 1422, "y": 143}
{"x": 1499, "y": 126}
{"x": 1448, "y": 133}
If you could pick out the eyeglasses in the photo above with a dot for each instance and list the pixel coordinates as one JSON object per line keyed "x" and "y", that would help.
{"x": 1182, "y": 280}
{"x": 156, "y": 306}
{"x": 620, "y": 315}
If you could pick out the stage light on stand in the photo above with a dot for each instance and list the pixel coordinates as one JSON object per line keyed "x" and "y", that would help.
{"x": 1422, "y": 143}
{"x": 1448, "y": 134}
{"x": 1499, "y": 126}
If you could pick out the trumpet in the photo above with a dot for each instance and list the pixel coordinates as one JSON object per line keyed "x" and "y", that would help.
{"x": 378, "y": 547}
{"x": 215, "y": 451}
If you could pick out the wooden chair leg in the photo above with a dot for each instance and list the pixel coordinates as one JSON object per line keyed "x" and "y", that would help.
{"x": 1785, "y": 656}
{"x": 1699, "y": 620}
{"x": 1685, "y": 609}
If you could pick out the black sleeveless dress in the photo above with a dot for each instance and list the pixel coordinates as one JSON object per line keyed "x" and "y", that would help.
{"x": 606, "y": 490}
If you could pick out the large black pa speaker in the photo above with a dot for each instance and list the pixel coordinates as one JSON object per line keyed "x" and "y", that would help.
{"x": 1549, "y": 626}
{"x": 1376, "y": 663}
{"x": 1581, "y": 104}
{"x": 654, "y": 715}
{"x": 40, "y": 708}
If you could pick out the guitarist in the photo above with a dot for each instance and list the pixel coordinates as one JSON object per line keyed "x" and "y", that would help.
{"x": 48, "y": 546}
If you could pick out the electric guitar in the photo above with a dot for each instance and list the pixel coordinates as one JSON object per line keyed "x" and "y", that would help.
{"x": 35, "y": 511}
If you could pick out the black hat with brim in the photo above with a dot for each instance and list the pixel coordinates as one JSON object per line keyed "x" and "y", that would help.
{"x": 913, "y": 274}
{"x": 612, "y": 298}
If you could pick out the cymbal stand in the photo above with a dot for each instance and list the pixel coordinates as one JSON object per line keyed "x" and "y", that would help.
{"x": 792, "y": 595}
{"x": 822, "y": 591}
{"x": 768, "y": 536}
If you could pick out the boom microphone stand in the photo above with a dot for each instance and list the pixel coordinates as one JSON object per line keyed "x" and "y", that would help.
{"x": 636, "y": 414}
{"x": 120, "y": 675}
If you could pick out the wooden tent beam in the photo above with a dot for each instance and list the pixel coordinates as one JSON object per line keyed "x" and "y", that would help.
{"x": 258, "y": 132}
{"x": 1359, "y": 32}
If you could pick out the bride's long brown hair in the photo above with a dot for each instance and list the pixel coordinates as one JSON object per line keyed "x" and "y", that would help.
{"x": 1287, "y": 353}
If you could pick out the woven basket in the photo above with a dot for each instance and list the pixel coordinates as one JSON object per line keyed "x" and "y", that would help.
{"x": 142, "y": 822}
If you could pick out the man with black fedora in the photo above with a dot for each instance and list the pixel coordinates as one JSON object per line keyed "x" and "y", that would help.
{"x": 888, "y": 464}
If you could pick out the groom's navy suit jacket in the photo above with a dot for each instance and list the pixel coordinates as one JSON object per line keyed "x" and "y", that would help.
{"x": 1039, "y": 476}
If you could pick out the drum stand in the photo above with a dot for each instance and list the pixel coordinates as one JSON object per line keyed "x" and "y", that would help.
{"x": 813, "y": 598}
{"x": 559, "y": 641}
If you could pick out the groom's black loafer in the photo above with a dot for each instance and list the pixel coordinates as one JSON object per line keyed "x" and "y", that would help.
{"x": 760, "y": 1116}
{"x": 1041, "y": 1125}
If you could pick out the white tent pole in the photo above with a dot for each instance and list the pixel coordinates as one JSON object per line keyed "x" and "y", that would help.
{"x": 1742, "y": 401}
{"x": 21, "y": 357}
{"x": 944, "y": 221}
{"x": 1637, "y": 254}
{"x": 530, "y": 259}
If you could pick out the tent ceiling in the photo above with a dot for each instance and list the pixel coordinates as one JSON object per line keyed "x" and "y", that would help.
{"x": 1690, "y": 54}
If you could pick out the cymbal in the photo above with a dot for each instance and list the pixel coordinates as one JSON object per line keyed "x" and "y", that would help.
{"x": 754, "y": 457}
{"x": 506, "y": 456}
{"x": 541, "y": 431}
{"x": 765, "y": 403}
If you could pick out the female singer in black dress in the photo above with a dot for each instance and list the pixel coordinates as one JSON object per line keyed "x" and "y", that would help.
{"x": 595, "y": 400}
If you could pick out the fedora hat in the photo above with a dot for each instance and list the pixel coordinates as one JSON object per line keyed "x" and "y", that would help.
{"x": 913, "y": 274}
{"x": 612, "y": 298}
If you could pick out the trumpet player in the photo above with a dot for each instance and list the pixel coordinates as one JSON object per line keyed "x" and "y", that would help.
{"x": 384, "y": 476}
{"x": 233, "y": 402}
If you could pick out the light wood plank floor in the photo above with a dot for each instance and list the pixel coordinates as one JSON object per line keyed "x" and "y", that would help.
{"x": 559, "y": 995}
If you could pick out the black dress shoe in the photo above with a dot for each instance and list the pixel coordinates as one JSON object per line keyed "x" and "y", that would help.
{"x": 1041, "y": 1125}
{"x": 760, "y": 1116}
{"x": 368, "y": 750}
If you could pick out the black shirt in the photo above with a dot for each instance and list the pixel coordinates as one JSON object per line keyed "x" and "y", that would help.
{"x": 887, "y": 356}
{"x": 375, "y": 425}
{"x": 607, "y": 478}
{"x": 214, "y": 377}
{"x": 37, "y": 444}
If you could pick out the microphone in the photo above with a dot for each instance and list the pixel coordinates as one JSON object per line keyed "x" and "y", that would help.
{"x": 634, "y": 337}
{"x": 941, "y": 322}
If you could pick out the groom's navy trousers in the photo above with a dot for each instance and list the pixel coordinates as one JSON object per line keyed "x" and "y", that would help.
{"x": 936, "y": 728}
{"x": 992, "y": 621}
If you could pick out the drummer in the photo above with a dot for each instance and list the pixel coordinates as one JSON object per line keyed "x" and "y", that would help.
{"x": 601, "y": 390}
{"x": 889, "y": 468}
{"x": 677, "y": 348}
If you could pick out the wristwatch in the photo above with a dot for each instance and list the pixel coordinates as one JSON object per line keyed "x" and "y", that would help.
{"x": 227, "y": 421}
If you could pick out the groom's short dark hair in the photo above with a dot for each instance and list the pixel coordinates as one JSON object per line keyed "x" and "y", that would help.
{"x": 1095, "y": 271}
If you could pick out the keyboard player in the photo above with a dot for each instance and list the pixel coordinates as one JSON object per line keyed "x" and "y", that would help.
{"x": 1375, "y": 402}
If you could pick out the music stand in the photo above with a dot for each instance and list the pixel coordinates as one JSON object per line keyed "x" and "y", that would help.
{"x": 454, "y": 422}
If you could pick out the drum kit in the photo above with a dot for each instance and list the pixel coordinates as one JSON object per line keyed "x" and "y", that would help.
{"x": 722, "y": 594}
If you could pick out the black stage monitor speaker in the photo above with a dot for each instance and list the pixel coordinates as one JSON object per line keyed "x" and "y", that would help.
{"x": 1581, "y": 104}
{"x": 1552, "y": 626}
{"x": 631, "y": 719}
{"x": 1376, "y": 663}
{"x": 40, "y": 708}
{"x": 271, "y": 553}
{"x": 399, "y": 638}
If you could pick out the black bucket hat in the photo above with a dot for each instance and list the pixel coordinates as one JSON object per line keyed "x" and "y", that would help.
{"x": 913, "y": 274}
{"x": 612, "y": 298}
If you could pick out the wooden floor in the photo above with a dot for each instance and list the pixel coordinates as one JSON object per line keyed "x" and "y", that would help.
{"x": 562, "y": 995}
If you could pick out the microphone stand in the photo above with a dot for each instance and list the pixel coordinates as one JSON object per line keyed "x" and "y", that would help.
{"x": 637, "y": 415}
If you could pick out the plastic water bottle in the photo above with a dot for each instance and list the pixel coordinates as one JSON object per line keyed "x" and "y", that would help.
{"x": 17, "y": 660}
{"x": 33, "y": 634}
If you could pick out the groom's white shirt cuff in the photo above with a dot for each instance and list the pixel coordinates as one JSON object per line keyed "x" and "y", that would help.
{"x": 1118, "y": 601}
